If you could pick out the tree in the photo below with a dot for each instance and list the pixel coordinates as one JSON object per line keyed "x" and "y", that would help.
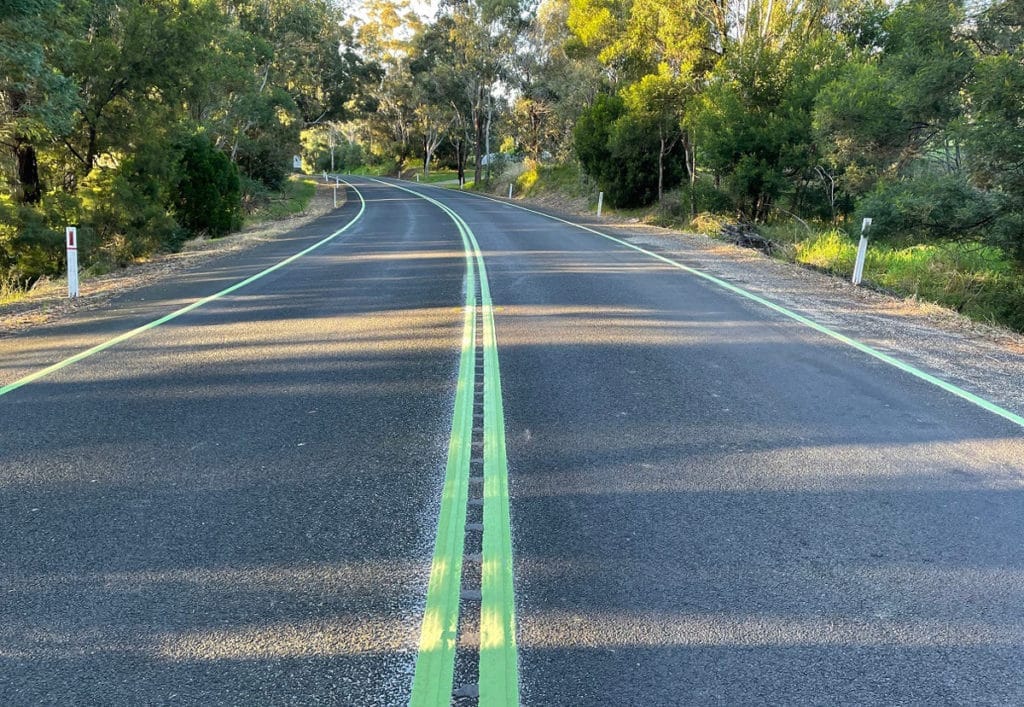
{"x": 594, "y": 132}
{"x": 755, "y": 121}
{"x": 208, "y": 195}
{"x": 658, "y": 100}
{"x": 894, "y": 100}
{"x": 629, "y": 151}
{"x": 991, "y": 128}
{"x": 36, "y": 100}
{"x": 556, "y": 83}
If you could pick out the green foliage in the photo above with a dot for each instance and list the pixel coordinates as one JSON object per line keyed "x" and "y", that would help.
{"x": 995, "y": 153}
{"x": 893, "y": 101}
{"x": 978, "y": 281}
{"x": 929, "y": 208}
{"x": 702, "y": 197}
{"x": 293, "y": 199}
{"x": 754, "y": 124}
{"x": 594, "y": 131}
{"x": 125, "y": 211}
{"x": 620, "y": 149}
{"x": 537, "y": 179}
{"x": 630, "y": 178}
{"x": 94, "y": 92}
{"x": 30, "y": 245}
{"x": 208, "y": 195}
{"x": 317, "y": 151}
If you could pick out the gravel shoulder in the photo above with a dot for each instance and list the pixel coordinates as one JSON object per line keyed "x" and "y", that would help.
{"x": 983, "y": 359}
{"x": 48, "y": 300}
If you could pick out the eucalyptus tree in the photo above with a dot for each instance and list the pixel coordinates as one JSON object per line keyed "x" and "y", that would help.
{"x": 304, "y": 70}
{"x": 554, "y": 82}
{"x": 385, "y": 32}
{"x": 130, "y": 61}
{"x": 36, "y": 99}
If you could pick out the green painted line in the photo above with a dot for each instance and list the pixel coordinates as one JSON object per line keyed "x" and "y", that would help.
{"x": 860, "y": 346}
{"x": 499, "y": 660}
{"x": 184, "y": 310}
{"x": 435, "y": 660}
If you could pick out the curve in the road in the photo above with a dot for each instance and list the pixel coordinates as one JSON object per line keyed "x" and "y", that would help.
{"x": 186, "y": 309}
{"x": 498, "y": 658}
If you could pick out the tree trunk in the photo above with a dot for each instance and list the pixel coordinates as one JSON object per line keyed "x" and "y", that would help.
{"x": 661, "y": 169}
{"x": 93, "y": 150}
{"x": 460, "y": 161}
{"x": 488, "y": 140}
{"x": 478, "y": 119}
{"x": 690, "y": 155}
{"x": 31, "y": 189}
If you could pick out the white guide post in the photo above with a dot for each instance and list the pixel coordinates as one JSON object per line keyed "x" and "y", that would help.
{"x": 336, "y": 182}
{"x": 71, "y": 236}
{"x": 600, "y": 203}
{"x": 509, "y": 191}
{"x": 862, "y": 252}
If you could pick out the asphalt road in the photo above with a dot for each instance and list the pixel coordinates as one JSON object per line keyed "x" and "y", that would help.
{"x": 710, "y": 503}
{"x": 237, "y": 507}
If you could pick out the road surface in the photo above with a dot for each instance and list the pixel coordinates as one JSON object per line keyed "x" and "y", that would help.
{"x": 317, "y": 487}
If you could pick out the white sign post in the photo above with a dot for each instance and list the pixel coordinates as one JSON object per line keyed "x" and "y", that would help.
{"x": 71, "y": 236}
{"x": 509, "y": 191}
{"x": 600, "y": 203}
{"x": 862, "y": 252}
{"x": 336, "y": 193}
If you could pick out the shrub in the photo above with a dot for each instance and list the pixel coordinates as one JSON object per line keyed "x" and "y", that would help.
{"x": 209, "y": 193}
{"x": 125, "y": 209}
{"x": 30, "y": 247}
{"x": 620, "y": 150}
{"x": 928, "y": 209}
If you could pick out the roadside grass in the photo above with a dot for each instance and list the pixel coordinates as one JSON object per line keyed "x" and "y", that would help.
{"x": 436, "y": 176}
{"x": 10, "y": 292}
{"x": 367, "y": 171}
{"x": 537, "y": 179}
{"x": 976, "y": 280}
{"x": 293, "y": 199}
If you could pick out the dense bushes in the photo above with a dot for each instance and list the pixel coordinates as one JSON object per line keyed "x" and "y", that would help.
{"x": 620, "y": 149}
{"x": 133, "y": 120}
{"x": 148, "y": 202}
{"x": 208, "y": 198}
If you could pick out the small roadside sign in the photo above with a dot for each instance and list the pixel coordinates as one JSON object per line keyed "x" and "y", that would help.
{"x": 297, "y": 162}
{"x": 71, "y": 238}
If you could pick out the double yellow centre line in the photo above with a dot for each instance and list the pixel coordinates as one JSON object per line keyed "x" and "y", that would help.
{"x": 498, "y": 681}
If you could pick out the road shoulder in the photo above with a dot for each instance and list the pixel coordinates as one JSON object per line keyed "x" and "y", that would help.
{"x": 48, "y": 301}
